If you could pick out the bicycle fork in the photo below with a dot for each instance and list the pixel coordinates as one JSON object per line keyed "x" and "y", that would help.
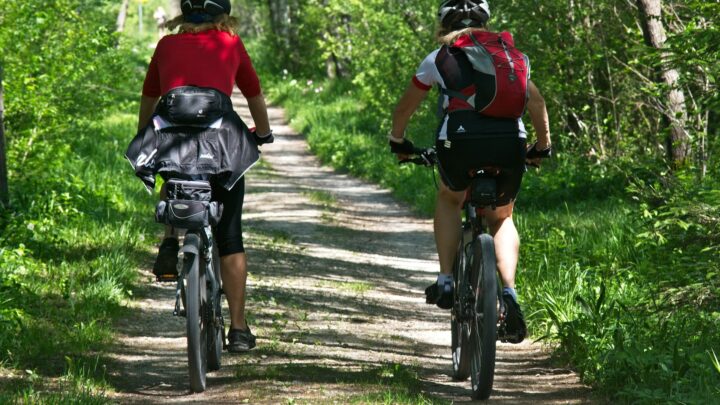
{"x": 190, "y": 246}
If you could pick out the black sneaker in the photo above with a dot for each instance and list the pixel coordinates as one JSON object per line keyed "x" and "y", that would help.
{"x": 515, "y": 329}
{"x": 240, "y": 341}
{"x": 442, "y": 296}
{"x": 165, "y": 267}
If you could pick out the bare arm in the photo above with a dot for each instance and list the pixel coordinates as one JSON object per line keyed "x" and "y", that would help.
{"x": 258, "y": 110}
{"x": 406, "y": 107}
{"x": 147, "y": 107}
{"x": 539, "y": 116}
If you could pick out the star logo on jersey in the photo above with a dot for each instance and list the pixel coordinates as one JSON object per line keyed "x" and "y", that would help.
{"x": 461, "y": 130}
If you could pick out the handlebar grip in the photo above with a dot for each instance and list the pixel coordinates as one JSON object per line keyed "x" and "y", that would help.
{"x": 533, "y": 153}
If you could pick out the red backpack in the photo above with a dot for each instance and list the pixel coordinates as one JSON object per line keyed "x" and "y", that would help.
{"x": 495, "y": 81}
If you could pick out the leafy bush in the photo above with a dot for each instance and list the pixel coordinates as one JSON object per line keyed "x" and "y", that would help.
{"x": 71, "y": 240}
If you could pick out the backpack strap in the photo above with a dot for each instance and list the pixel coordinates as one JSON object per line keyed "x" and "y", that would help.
{"x": 455, "y": 94}
{"x": 440, "y": 110}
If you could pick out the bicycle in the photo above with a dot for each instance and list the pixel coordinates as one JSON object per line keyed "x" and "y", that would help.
{"x": 477, "y": 318}
{"x": 199, "y": 284}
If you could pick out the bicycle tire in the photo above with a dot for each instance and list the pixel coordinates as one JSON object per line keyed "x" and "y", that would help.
{"x": 215, "y": 326}
{"x": 459, "y": 328}
{"x": 484, "y": 326}
{"x": 195, "y": 296}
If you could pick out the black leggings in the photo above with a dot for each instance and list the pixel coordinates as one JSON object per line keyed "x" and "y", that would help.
{"x": 228, "y": 233}
{"x": 506, "y": 152}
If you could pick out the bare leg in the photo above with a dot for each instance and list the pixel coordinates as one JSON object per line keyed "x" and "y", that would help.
{"x": 169, "y": 230}
{"x": 447, "y": 226}
{"x": 507, "y": 242}
{"x": 234, "y": 276}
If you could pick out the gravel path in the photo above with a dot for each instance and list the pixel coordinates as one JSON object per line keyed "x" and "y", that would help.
{"x": 338, "y": 268}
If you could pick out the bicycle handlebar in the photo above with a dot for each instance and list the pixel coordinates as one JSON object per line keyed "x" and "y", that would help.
{"x": 428, "y": 156}
{"x": 425, "y": 157}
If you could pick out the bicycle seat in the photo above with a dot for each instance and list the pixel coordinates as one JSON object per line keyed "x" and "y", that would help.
{"x": 486, "y": 171}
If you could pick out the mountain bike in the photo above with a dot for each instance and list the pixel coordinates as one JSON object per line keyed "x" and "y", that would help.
{"x": 199, "y": 291}
{"x": 477, "y": 318}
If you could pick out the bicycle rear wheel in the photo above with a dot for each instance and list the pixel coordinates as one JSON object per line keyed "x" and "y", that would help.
{"x": 215, "y": 324}
{"x": 196, "y": 292}
{"x": 459, "y": 326}
{"x": 483, "y": 329}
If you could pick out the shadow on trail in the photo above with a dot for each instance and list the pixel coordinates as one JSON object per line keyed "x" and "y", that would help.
{"x": 158, "y": 359}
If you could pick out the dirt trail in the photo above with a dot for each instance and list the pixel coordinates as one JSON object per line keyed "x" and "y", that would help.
{"x": 335, "y": 297}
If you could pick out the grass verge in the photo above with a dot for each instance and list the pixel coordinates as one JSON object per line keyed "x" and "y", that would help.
{"x": 630, "y": 295}
{"x": 70, "y": 246}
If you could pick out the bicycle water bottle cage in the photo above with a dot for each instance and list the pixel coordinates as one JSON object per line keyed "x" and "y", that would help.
{"x": 188, "y": 205}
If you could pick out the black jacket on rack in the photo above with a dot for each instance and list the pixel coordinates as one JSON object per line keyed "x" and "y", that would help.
{"x": 192, "y": 152}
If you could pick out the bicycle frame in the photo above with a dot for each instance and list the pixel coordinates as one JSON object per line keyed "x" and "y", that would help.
{"x": 478, "y": 314}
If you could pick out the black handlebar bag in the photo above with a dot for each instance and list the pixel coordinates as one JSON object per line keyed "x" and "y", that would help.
{"x": 188, "y": 205}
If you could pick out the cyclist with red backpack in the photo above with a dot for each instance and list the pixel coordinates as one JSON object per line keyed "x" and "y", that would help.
{"x": 198, "y": 67}
{"x": 485, "y": 89}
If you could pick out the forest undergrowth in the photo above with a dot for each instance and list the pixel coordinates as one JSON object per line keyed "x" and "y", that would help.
{"x": 617, "y": 270}
{"x": 75, "y": 230}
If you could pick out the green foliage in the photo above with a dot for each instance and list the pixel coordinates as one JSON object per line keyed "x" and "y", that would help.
{"x": 620, "y": 270}
{"x": 72, "y": 238}
{"x": 619, "y": 255}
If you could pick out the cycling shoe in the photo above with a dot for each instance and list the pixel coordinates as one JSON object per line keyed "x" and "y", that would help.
{"x": 440, "y": 295}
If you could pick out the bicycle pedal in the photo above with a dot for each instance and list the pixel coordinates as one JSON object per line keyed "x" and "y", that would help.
{"x": 166, "y": 278}
{"x": 181, "y": 313}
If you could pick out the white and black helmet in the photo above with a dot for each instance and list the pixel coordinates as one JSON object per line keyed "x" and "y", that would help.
{"x": 459, "y": 14}
{"x": 212, "y": 8}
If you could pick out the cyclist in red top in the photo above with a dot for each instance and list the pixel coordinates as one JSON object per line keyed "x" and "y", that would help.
{"x": 207, "y": 52}
{"x": 467, "y": 140}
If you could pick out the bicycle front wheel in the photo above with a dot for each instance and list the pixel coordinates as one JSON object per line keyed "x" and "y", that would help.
{"x": 196, "y": 292}
{"x": 483, "y": 334}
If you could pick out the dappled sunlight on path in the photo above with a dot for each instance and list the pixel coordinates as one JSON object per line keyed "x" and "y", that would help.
{"x": 338, "y": 269}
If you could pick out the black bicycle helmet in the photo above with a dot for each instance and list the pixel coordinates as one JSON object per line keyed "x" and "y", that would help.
{"x": 203, "y": 10}
{"x": 459, "y": 14}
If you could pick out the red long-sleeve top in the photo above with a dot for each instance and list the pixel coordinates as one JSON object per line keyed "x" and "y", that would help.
{"x": 210, "y": 58}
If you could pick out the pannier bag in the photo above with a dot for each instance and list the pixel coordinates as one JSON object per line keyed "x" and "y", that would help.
{"x": 190, "y": 105}
{"x": 494, "y": 82}
{"x": 188, "y": 205}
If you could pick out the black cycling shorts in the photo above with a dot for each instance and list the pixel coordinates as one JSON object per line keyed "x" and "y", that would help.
{"x": 504, "y": 151}
{"x": 228, "y": 233}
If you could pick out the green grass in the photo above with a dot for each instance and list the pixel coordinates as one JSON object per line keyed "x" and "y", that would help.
{"x": 69, "y": 251}
{"x": 357, "y": 287}
{"x": 629, "y": 290}
{"x": 322, "y": 198}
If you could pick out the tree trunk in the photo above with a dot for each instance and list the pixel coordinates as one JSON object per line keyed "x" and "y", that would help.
{"x": 282, "y": 26}
{"x": 678, "y": 140}
{"x": 280, "y": 18}
{"x": 4, "y": 194}
{"x": 122, "y": 16}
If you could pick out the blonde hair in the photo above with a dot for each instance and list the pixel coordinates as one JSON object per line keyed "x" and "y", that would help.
{"x": 223, "y": 22}
{"x": 447, "y": 37}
